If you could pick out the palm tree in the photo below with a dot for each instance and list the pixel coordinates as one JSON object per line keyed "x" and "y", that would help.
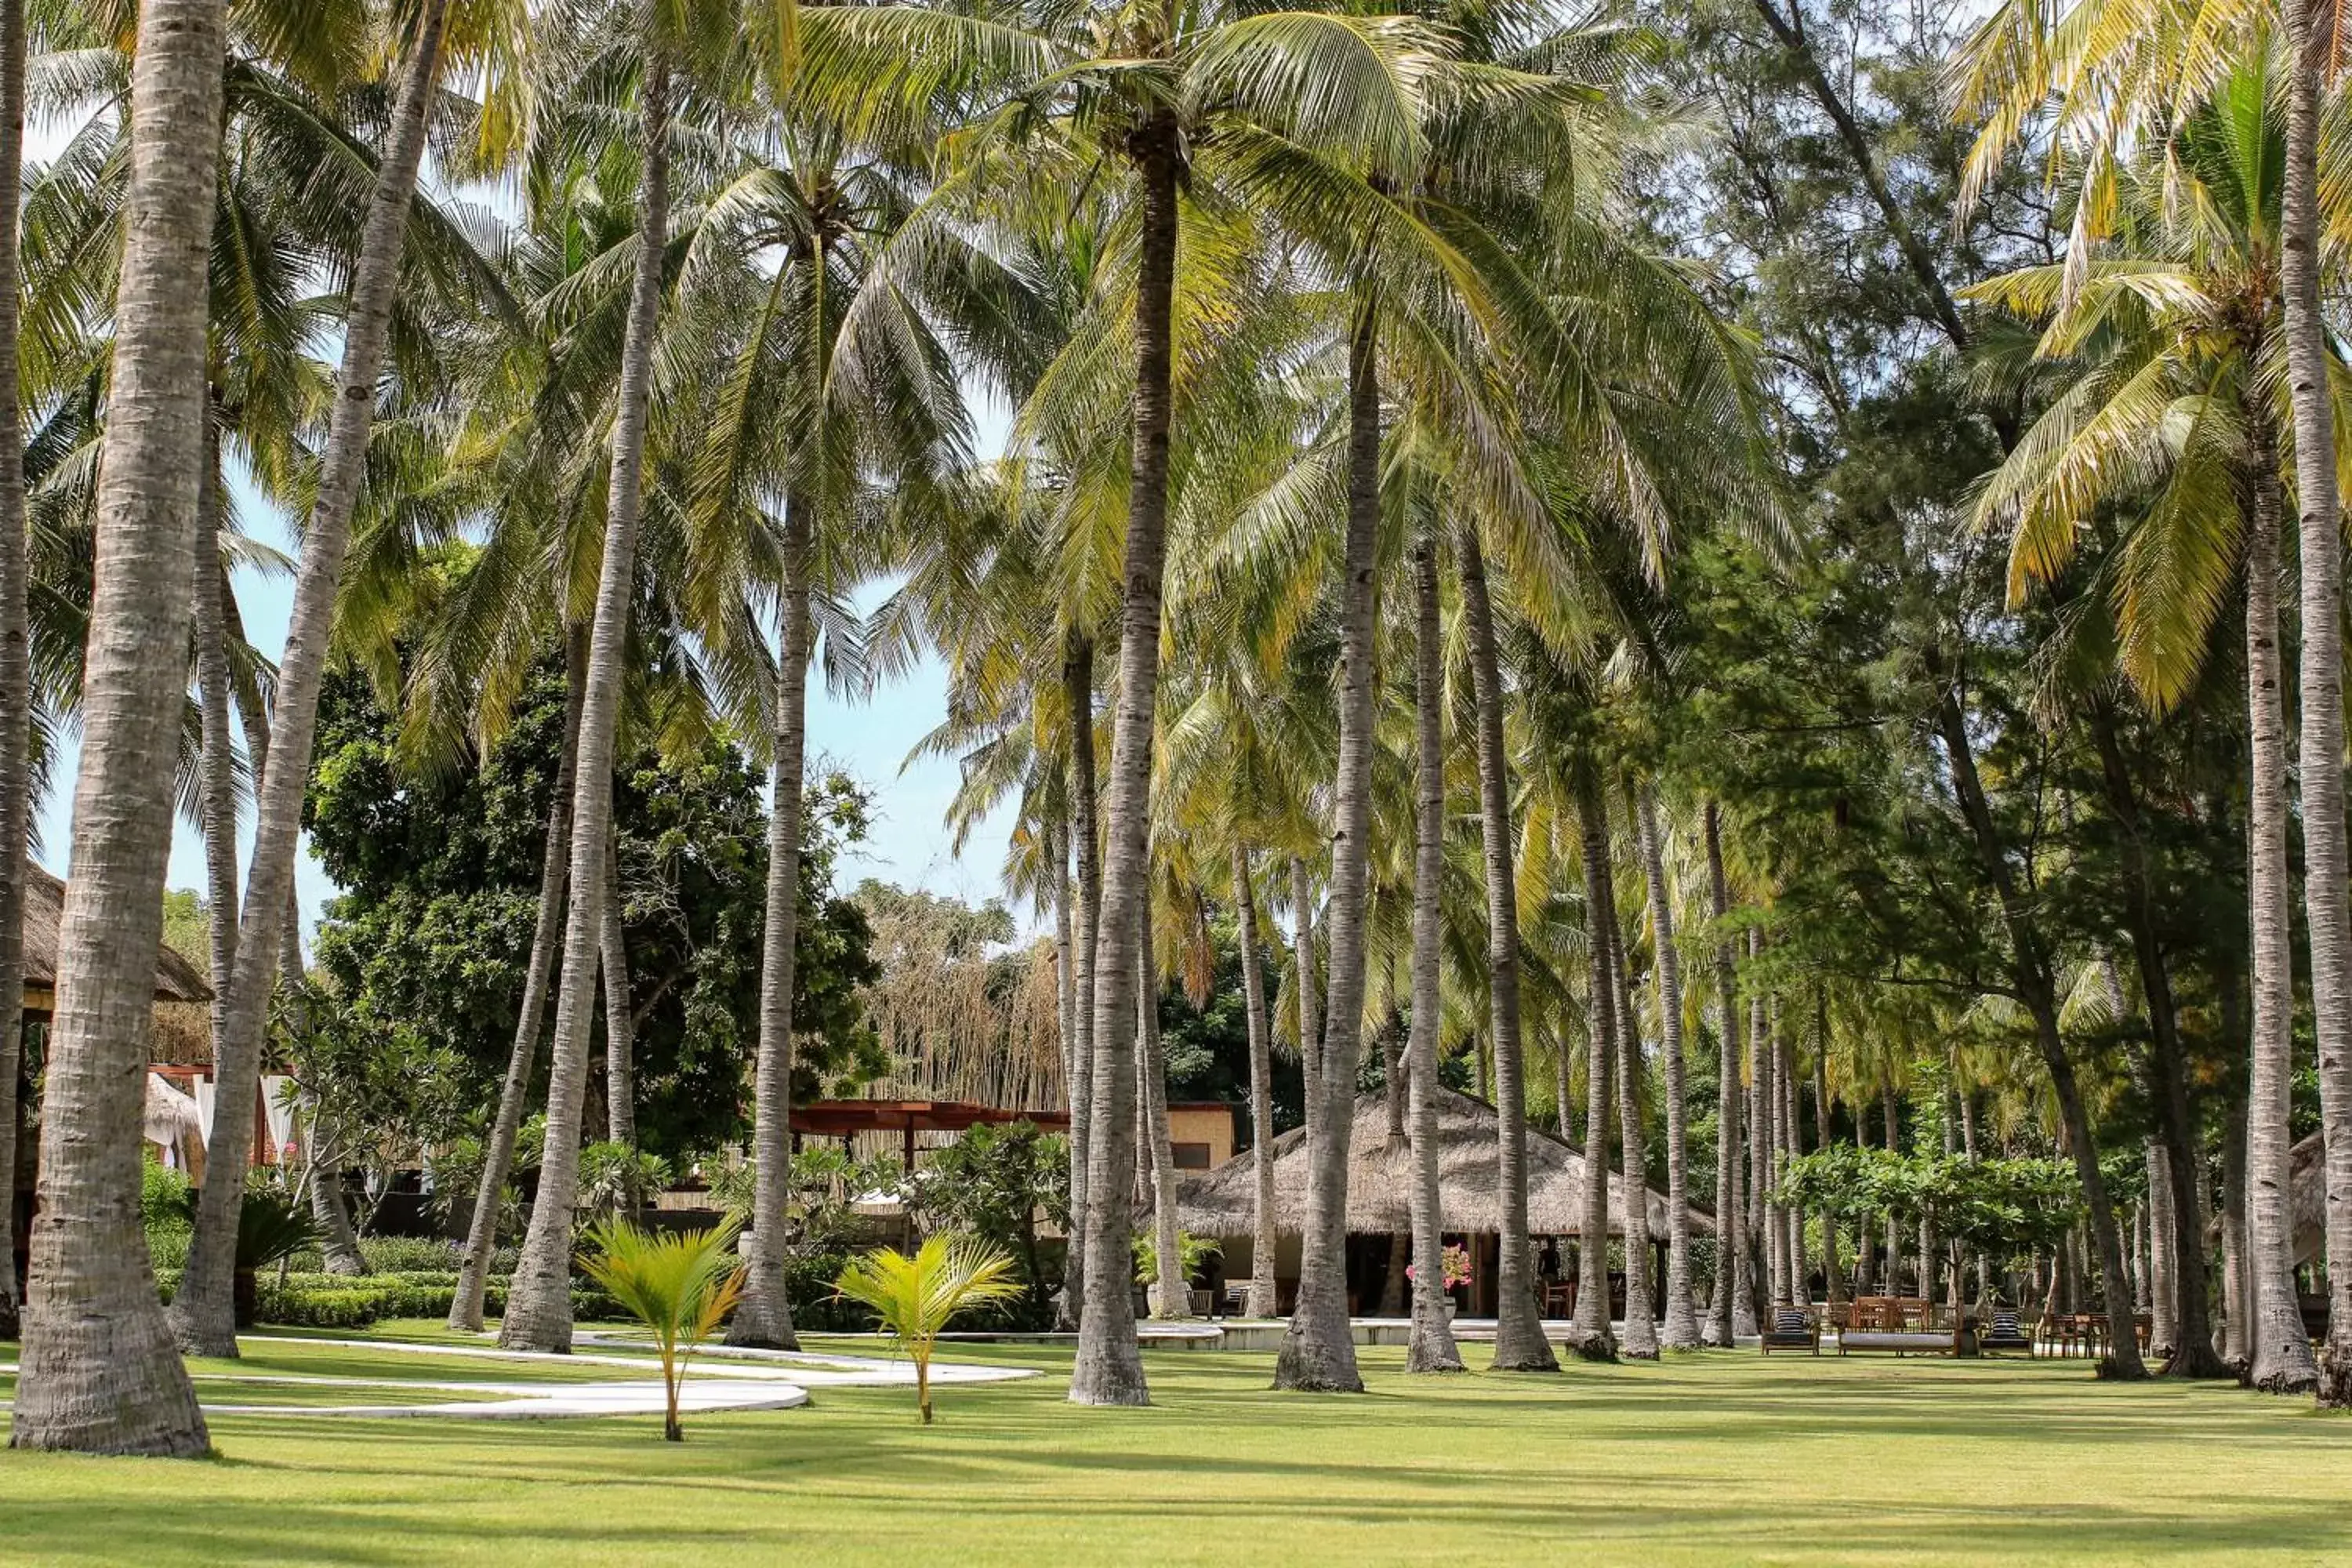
{"x": 98, "y": 1372}
{"x": 669, "y": 48}
{"x": 2172, "y": 411}
{"x": 1681, "y": 1324}
{"x": 1520, "y": 1341}
{"x": 203, "y": 1315}
{"x": 16, "y": 663}
{"x": 2114, "y": 79}
{"x": 1432, "y": 1348}
{"x": 680, "y": 1286}
{"x": 1161, "y": 83}
{"x": 1732, "y": 1260}
{"x": 917, "y": 1297}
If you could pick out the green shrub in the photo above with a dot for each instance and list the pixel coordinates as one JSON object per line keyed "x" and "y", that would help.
{"x": 169, "y": 1248}
{"x": 311, "y": 1307}
{"x": 164, "y": 1199}
{"x": 404, "y": 1254}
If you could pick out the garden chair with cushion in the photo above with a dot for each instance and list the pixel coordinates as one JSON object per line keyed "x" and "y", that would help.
{"x": 1790, "y": 1329}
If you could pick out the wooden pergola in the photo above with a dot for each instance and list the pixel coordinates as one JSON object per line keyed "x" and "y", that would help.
{"x": 845, "y": 1118}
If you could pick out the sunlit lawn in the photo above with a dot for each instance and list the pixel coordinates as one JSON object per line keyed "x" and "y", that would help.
{"x": 1713, "y": 1458}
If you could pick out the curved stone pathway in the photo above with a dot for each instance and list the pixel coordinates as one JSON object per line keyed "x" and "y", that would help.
{"x": 720, "y": 1379}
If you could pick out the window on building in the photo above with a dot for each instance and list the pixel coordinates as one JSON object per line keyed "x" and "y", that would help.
{"x": 1191, "y": 1156}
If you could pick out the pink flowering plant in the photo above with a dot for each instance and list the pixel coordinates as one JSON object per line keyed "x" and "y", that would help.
{"x": 1455, "y": 1261}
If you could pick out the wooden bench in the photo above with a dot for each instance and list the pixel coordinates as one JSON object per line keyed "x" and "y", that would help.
{"x": 1904, "y": 1325}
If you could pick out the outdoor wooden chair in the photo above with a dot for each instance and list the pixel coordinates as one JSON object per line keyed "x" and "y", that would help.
{"x": 2005, "y": 1330}
{"x": 1790, "y": 1329}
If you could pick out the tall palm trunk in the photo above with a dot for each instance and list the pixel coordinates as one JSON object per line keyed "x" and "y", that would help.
{"x": 1171, "y": 1292}
{"x": 1319, "y": 1351}
{"x": 1772, "y": 1134}
{"x": 514, "y": 1093}
{"x": 1594, "y": 1341}
{"x": 539, "y": 1300}
{"x": 98, "y": 1371}
{"x": 1262, "y": 1240}
{"x": 1833, "y": 1269}
{"x": 1310, "y": 1012}
{"x": 1764, "y": 1279}
{"x": 1431, "y": 1347}
{"x": 15, "y": 666}
{"x": 763, "y": 1319}
{"x": 204, "y": 1309}
{"x": 2282, "y": 1362}
{"x": 2164, "y": 1287}
{"x": 620, "y": 1025}
{"x": 1520, "y": 1341}
{"x": 1641, "y": 1322}
{"x": 2237, "y": 1347}
{"x": 2327, "y": 859}
{"x": 1731, "y": 1260}
{"x": 1078, "y": 692}
{"x": 1108, "y": 1369}
{"x": 217, "y": 764}
{"x": 339, "y": 1245}
{"x": 1682, "y": 1323}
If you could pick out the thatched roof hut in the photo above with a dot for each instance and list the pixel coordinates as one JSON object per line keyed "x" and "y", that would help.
{"x": 182, "y": 995}
{"x": 176, "y": 980}
{"x": 1223, "y": 1202}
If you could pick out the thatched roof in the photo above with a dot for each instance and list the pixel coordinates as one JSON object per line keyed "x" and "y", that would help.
{"x": 1380, "y": 1193}
{"x": 176, "y": 980}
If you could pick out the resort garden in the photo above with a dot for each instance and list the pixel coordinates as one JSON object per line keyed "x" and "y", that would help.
{"x": 1654, "y": 695}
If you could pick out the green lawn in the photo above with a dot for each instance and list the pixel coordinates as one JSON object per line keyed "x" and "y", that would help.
{"x": 1714, "y": 1459}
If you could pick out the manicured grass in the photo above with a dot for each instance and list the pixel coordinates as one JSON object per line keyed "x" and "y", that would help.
{"x": 1713, "y": 1458}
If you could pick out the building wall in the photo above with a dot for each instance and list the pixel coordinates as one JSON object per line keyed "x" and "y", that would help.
{"x": 1202, "y": 1134}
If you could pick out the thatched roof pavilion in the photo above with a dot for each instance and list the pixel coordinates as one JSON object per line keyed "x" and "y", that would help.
{"x": 1223, "y": 1202}
{"x": 176, "y": 980}
{"x": 182, "y": 1020}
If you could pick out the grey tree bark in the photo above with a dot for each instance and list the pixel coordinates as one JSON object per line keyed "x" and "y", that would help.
{"x": 1431, "y": 1347}
{"x": 1310, "y": 1011}
{"x": 97, "y": 1372}
{"x": 15, "y": 666}
{"x": 1172, "y": 1293}
{"x": 1595, "y": 1342}
{"x": 2282, "y": 1362}
{"x": 539, "y": 1297}
{"x": 216, "y": 762}
{"x": 2312, "y": 35}
{"x": 1681, "y": 1331}
{"x": 1078, "y": 694}
{"x": 1763, "y": 1275}
{"x": 2237, "y": 1345}
{"x": 1641, "y": 1324}
{"x": 1262, "y": 1240}
{"x": 2164, "y": 1286}
{"x": 1731, "y": 1259}
{"x": 514, "y": 1093}
{"x": 1108, "y": 1369}
{"x": 1833, "y": 1269}
{"x": 203, "y": 1308}
{"x": 620, "y": 1034}
{"x": 1520, "y": 1341}
{"x": 763, "y": 1319}
{"x": 1318, "y": 1352}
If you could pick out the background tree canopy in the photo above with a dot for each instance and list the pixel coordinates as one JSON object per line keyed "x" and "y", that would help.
{"x": 425, "y": 949}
